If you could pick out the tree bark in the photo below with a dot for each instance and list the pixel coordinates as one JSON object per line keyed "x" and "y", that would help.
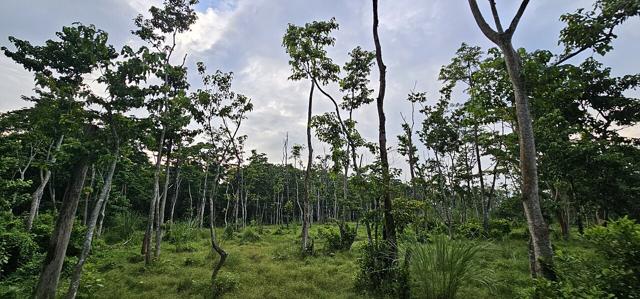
{"x": 57, "y": 248}
{"x": 543, "y": 253}
{"x": 146, "y": 243}
{"x": 36, "y": 196}
{"x": 91, "y": 225}
{"x": 389, "y": 225}
{"x": 307, "y": 178}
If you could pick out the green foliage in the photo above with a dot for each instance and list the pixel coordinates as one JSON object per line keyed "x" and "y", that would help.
{"x": 224, "y": 283}
{"x": 228, "y": 233}
{"x": 182, "y": 234}
{"x": 337, "y": 239}
{"x": 124, "y": 224}
{"x": 379, "y": 274}
{"x": 619, "y": 244}
{"x": 441, "y": 268}
{"x": 249, "y": 235}
{"x": 406, "y": 211}
{"x": 17, "y": 246}
{"x": 469, "y": 230}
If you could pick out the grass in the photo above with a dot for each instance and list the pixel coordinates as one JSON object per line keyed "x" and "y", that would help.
{"x": 269, "y": 267}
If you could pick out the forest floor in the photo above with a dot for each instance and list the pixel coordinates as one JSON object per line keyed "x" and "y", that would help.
{"x": 266, "y": 265}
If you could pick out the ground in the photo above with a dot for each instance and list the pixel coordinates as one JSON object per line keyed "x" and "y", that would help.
{"x": 268, "y": 267}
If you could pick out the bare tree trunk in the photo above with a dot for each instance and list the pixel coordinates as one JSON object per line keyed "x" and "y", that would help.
{"x": 146, "y": 243}
{"x": 57, "y": 248}
{"x": 307, "y": 178}
{"x": 36, "y": 196}
{"x": 102, "y": 215}
{"x": 163, "y": 201}
{"x": 91, "y": 225}
{"x": 204, "y": 197}
{"x": 543, "y": 253}
{"x": 389, "y": 226}
{"x": 174, "y": 198}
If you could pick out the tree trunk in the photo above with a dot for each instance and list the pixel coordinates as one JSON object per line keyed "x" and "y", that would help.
{"x": 91, "y": 225}
{"x": 163, "y": 202}
{"x": 537, "y": 226}
{"x": 543, "y": 253}
{"x": 174, "y": 198}
{"x": 37, "y": 195}
{"x": 307, "y": 179}
{"x": 146, "y": 243}
{"x": 389, "y": 225}
{"x": 57, "y": 248}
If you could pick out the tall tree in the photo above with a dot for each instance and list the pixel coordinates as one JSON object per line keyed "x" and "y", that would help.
{"x": 306, "y": 48}
{"x": 538, "y": 229}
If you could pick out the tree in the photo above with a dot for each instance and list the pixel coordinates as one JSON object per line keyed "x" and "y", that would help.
{"x": 306, "y": 48}
{"x": 389, "y": 226}
{"x": 59, "y": 67}
{"x": 542, "y": 251}
{"x": 160, "y": 32}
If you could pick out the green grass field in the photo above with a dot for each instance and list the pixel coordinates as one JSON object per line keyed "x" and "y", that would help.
{"x": 271, "y": 268}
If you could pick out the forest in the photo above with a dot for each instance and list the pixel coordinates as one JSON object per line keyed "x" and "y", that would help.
{"x": 121, "y": 177}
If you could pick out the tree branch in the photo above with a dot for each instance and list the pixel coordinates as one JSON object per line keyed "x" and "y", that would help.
{"x": 482, "y": 23}
{"x": 496, "y": 17}
{"x": 516, "y": 18}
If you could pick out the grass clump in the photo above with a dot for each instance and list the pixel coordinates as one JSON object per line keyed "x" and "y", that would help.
{"x": 440, "y": 269}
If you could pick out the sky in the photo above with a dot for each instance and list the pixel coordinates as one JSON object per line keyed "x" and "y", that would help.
{"x": 245, "y": 36}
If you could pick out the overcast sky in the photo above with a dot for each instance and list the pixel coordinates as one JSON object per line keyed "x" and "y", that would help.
{"x": 244, "y": 36}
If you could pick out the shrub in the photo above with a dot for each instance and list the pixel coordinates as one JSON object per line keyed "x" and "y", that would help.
{"x": 337, "y": 240}
{"x": 380, "y": 274}
{"x": 228, "y": 233}
{"x": 181, "y": 234}
{"x": 469, "y": 230}
{"x": 499, "y": 228}
{"x": 619, "y": 244}
{"x": 17, "y": 246}
{"x": 249, "y": 235}
{"x": 439, "y": 269}
{"x": 124, "y": 225}
{"x": 224, "y": 283}
{"x": 613, "y": 273}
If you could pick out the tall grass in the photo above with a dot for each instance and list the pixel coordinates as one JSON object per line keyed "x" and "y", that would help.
{"x": 439, "y": 269}
{"x": 125, "y": 224}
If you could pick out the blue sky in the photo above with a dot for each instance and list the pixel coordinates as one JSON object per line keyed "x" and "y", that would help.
{"x": 244, "y": 36}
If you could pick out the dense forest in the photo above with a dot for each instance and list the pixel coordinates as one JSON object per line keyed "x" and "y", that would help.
{"x": 119, "y": 179}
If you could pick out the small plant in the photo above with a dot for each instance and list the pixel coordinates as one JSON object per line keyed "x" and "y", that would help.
{"x": 249, "y": 235}
{"x": 380, "y": 274}
{"x": 181, "y": 234}
{"x": 224, "y": 283}
{"x": 441, "y": 268}
{"x": 228, "y": 233}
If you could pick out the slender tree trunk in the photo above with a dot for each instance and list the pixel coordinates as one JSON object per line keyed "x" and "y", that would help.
{"x": 102, "y": 215}
{"x": 85, "y": 212}
{"x": 163, "y": 202}
{"x": 307, "y": 179}
{"x": 389, "y": 225}
{"x": 36, "y": 196}
{"x": 174, "y": 198}
{"x": 204, "y": 197}
{"x": 537, "y": 225}
{"x": 485, "y": 208}
{"x": 91, "y": 225}
{"x": 543, "y": 253}
{"x": 57, "y": 247}
{"x": 146, "y": 243}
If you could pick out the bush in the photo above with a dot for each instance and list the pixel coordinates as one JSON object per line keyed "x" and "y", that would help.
{"x": 439, "y": 269}
{"x": 249, "y": 235}
{"x": 225, "y": 283}
{"x": 17, "y": 246}
{"x": 499, "y": 228}
{"x": 619, "y": 244}
{"x": 380, "y": 274}
{"x": 228, "y": 233}
{"x": 469, "y": 230}
{"x": 613, "y": 273}
{"x": 181, "y": 234}
{"x": 125, "y": 224}
{"x": 337, "y": 240}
